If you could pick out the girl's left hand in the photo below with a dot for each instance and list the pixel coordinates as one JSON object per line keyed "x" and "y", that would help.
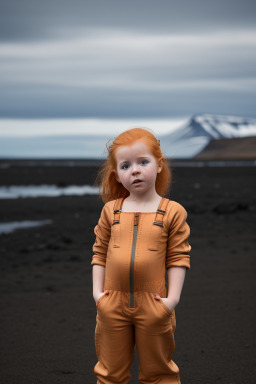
{"x": 169, "y": 302}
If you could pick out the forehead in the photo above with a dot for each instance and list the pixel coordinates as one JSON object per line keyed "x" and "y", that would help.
{"x": 129, "y": 152}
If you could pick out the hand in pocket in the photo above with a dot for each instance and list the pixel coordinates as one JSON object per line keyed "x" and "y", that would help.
{"x": 100, "y": 295}
{"x": 169, "y": 303}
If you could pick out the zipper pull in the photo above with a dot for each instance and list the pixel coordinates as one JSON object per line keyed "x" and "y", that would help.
{"x": 136, "y": 218}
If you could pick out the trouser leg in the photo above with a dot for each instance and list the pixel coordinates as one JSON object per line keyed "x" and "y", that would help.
{"x": 154, "y": 338}
{"x": 155, "y": 352}
{"x": 115, "y": 352}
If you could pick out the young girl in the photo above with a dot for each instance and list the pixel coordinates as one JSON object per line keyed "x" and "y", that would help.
{"x": 139, "y": 235}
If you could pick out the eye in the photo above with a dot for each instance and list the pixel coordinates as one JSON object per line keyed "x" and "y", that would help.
{"x": 144, "y": 161}
{"x": 124, "y": 166}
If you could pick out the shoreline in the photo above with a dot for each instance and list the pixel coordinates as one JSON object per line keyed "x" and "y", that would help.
{"x": 48, "y": 312}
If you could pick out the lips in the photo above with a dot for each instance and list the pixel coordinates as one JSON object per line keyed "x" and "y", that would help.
{"x": 137, "y": 181}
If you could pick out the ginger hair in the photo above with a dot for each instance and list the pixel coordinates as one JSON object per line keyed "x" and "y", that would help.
{"x": 110, "y": 188}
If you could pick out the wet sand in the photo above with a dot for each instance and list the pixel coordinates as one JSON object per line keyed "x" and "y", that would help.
{"x": 48, "y": 313}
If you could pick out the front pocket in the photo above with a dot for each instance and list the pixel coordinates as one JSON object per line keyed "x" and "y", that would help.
{"x": 154, "y": 238}
{"x": 99, "y": 301}
{"x": 164, "y": 307}
{"x": 167, "y": 310}
{"x": 173, "y": 320}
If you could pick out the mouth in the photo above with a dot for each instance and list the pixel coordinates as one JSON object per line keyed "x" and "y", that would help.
{"x": 137, "y": 181}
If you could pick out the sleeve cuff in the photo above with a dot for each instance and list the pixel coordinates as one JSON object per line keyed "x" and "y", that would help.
{"x": 178, "y": 263}
{"x": 98, "y": 261}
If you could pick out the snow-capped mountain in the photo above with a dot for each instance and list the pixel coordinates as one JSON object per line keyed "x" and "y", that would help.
{"x": 185, "y": 142}
{"x": 190, "y": 139}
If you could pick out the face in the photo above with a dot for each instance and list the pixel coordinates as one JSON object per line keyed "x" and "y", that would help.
{"x": 136, "y": 162}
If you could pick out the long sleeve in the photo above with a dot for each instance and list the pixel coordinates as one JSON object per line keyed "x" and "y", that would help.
{"x": 102, "y": 231}
{"x": 178, "y": 247}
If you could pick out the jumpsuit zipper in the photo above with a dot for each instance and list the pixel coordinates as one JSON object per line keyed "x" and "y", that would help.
{"x": 135, "y": 232}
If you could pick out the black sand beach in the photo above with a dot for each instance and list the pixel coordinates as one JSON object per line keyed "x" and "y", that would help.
{"x": 47, "y": 310}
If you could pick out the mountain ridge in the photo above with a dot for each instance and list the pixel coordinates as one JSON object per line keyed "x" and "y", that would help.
{"x": 238, "y": 148}
{"x": 200, "y": 129}
{"x": 184, "y": 142}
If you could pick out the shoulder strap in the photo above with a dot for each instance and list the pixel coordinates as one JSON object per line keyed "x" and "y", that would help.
{"x": 117, "y": 209}
{"x": 161, "y": 212}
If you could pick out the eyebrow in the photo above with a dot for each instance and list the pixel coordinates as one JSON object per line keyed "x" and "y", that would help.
{"x": 140, "y": 157}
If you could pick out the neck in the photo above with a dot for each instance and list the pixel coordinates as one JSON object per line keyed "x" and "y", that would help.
{"x": 143, "y": 199}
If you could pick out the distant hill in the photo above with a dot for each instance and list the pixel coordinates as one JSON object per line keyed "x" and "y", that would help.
{"x": 185, "y": 142}
{"x": 229, "y": 149}
{"x": 190, "y": 139}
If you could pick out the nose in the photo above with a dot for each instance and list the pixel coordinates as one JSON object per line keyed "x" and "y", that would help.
{"x": 135, "y": 169}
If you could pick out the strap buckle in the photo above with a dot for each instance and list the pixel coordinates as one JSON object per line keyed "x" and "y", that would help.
{"x": 160, "y": 223}
{"x": 161, "y": 211}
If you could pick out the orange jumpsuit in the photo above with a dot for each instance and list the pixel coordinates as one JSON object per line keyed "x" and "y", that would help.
{"x": 136, "y": 248}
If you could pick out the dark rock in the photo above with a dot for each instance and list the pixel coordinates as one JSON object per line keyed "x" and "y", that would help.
{"x": 41, "y": 247}
{"x": 50, "y": 288}
{"x": 225, "y": 208}
{"x": 62, "y": 184}
{"x": 67, "y": 240}
{"x": 49, "y": 259}
{"x": 75, "y": 258}
{"x": 54, "y": 246}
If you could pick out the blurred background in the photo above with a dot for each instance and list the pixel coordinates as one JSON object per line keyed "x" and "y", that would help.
{"x": 73, "y": 75}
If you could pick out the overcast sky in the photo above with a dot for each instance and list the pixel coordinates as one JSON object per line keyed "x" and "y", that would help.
{"x": 127, "y": 59}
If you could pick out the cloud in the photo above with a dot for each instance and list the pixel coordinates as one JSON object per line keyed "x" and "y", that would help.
{"x": 115, "y": 59}
{"x": 44, "y": 20}
{"x": 55, "y": 127}
{"x": 119, "y": 60}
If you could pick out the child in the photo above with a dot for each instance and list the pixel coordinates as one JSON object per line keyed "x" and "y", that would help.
{"x": 139, "y": 235}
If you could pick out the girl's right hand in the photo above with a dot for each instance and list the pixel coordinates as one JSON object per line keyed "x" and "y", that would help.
{"x": 97, "y": 297}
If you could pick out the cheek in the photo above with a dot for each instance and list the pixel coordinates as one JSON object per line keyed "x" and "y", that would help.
{"x": 151, "y": 172}
{"x": 123, "y": 177}
{"x": 126, "y": 178}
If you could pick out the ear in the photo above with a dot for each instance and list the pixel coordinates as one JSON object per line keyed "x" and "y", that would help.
{"x": 160, "y": 165}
